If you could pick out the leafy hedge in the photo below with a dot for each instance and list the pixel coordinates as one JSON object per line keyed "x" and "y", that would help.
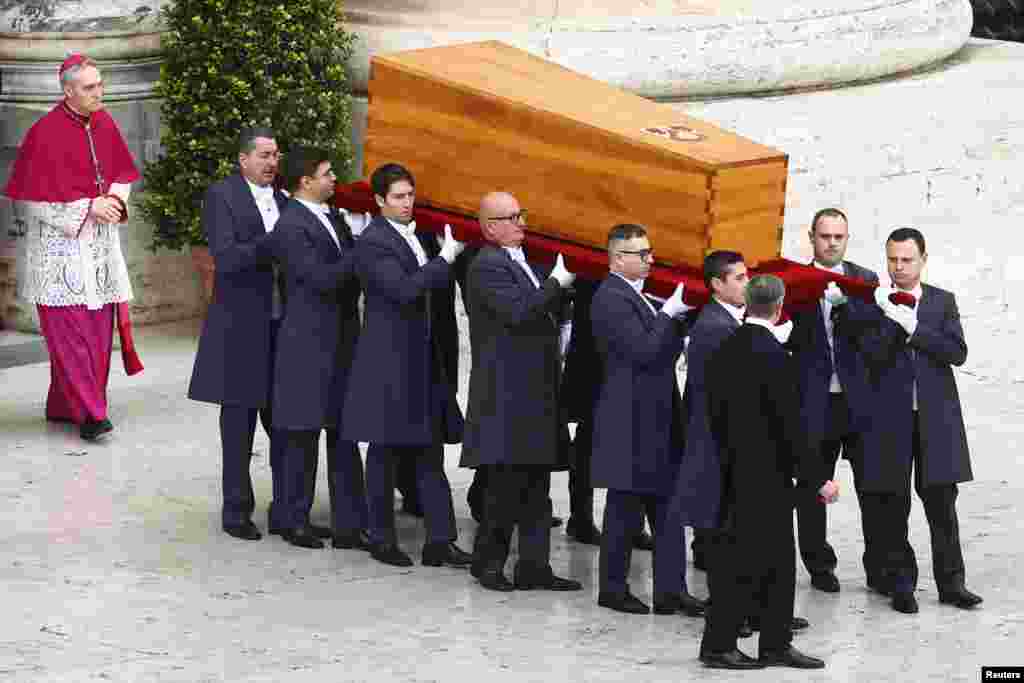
{"x": 234, "y": 63}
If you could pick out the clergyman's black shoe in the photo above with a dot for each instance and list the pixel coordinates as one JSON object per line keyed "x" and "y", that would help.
{"x": 643, "y": 541}
{"x": 494, "y": 579}
{"x": 825, "y": 582}
{"x": 583, "y": 532}
{"x": 550, "y": 582}
{"x": 625, "y": 602}
{"x": 246, "y": 531}
{"x": 735, "y": 659}
{"x": 792, "y": 658}
{"x": 445, "y": 554}
{"x": 303, "y": 537}
{"x": 92, "y": 430}
{"x": 351, "y": 540}
{"x": 679, "y": 602}
{"x": 320, "y": 531}
{"x": 390, "y": 553}
{"x": 960, "y": 597}
{"x": 904, "y": 601}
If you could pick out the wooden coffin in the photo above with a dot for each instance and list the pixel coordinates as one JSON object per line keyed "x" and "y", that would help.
{"x": 580, "y": 155}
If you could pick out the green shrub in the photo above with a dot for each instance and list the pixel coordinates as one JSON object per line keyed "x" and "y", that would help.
{"x": 234, "y": 63}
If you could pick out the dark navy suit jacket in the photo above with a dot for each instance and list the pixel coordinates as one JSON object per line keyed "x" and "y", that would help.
{"x": 514, "y": 415}
{"x": 321, "y": 320}
{"x": 699, "y": 484}
{"x": 398, "y": 392}
{"x": 232, "y": 365}
{"x": 894, "y": 363}
{"x": 813, "y": 360}
{"x": 638, "y": 431}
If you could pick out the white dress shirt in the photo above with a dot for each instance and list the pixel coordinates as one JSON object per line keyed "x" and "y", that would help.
{"x": 517, "y": 255}
{"x": 834, "y": 387}
{"x": 320, "y": 211}
{"x": 638, "y": 287}
{"x": 408, "y": 233}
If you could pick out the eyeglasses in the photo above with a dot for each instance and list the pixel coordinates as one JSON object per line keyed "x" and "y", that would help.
{"x": 518, "y": 217}
{"x": 644, "y": 254}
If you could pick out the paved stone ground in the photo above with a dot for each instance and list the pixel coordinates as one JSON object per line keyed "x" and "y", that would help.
{"x": 114, "y": 567}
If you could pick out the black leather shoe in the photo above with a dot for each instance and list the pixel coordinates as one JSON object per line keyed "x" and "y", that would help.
{"x": 494, "y": 579}
{"x": 626, "y": 602}
{"x": 960, "y": 597}
{"x": 904, "y": 602}
{"x": 303, "y": 537}
{"x": 643, "y": 541}
{"x": 585, "y": 533}
{"x": 556, "y": 522}
{"x": 798, "y": 624}
{"x": 546, "y": 583}
{"x": 246, "y": 532}
{"x": 679, "y": 602}
{"x": 880, "y": 586}
{"x": 792, "y": 658}
{"x": 729, "y": 660}
{"x": 825, "y": 582}
{"x": 445, "y": 554}
{"x": 92, "y": 430}
{"x": 390, "y": 554}
{"x": 320, "y": 531}
{"x": 351, "y": 540}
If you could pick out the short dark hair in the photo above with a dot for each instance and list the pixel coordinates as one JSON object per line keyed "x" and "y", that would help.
{"x": 717, "y": 264}
{"x": 625, "y": 231}
{"x": 301, "y": 162}
{"x": 904, "y": 234}
{"x": 247, "y": 137}
{"x": 387, "y": 175}
{"x": 764, "y": 295}
{"x": 829, "y": 213}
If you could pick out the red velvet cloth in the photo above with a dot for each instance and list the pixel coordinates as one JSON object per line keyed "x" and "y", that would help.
{"x": 54, "y": 163}
{"x": 804, "y": 284}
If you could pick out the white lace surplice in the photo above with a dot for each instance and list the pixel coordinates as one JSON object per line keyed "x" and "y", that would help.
{"x": 71, "y": 259}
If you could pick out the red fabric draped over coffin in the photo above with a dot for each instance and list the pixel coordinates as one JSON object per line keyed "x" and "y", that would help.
{"x": 804, "y": 284}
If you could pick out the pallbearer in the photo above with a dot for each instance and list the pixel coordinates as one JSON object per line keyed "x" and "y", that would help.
{"x": 399, "y": 397}
{"x": 514, "y": 427}
{"x": 72, "y": 177}
{"x": 316, "y": 253}
{"x": 638, "y": 434}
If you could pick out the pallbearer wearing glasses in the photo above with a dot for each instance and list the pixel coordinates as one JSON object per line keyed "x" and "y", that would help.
{"x": 638, "y": 433}
{"x": 515, "y": 430}
{"x": 316, "y": 252}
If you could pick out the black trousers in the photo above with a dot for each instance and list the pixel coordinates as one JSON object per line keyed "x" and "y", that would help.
{"x": 344, "y": 478}
{"x": 432, "y": 485}
{"x": 237, "y": 431}
{"x": 516, "y": 496}
{"x": 890, "y": 514}
{"x": 751, "y": 578}
{"x": 623, "y": 513}
{"x": 812, "y": 518}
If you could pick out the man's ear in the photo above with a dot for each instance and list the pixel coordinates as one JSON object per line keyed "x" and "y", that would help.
{"x": 380, "y": 200}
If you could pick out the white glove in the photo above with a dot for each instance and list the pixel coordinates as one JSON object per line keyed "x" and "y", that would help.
{"x": 905, "y": 316}
{"x": 783, "y": 331}
{"x": 882, "y": 297}
{"x": 564, "y": 277}
{"x": 674, "y": 306}
{"x": 451, "y": 247}
{"x": 834, "y": 296}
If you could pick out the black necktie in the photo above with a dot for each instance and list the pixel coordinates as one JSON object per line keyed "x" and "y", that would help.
{"x": 341, "y": 229}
